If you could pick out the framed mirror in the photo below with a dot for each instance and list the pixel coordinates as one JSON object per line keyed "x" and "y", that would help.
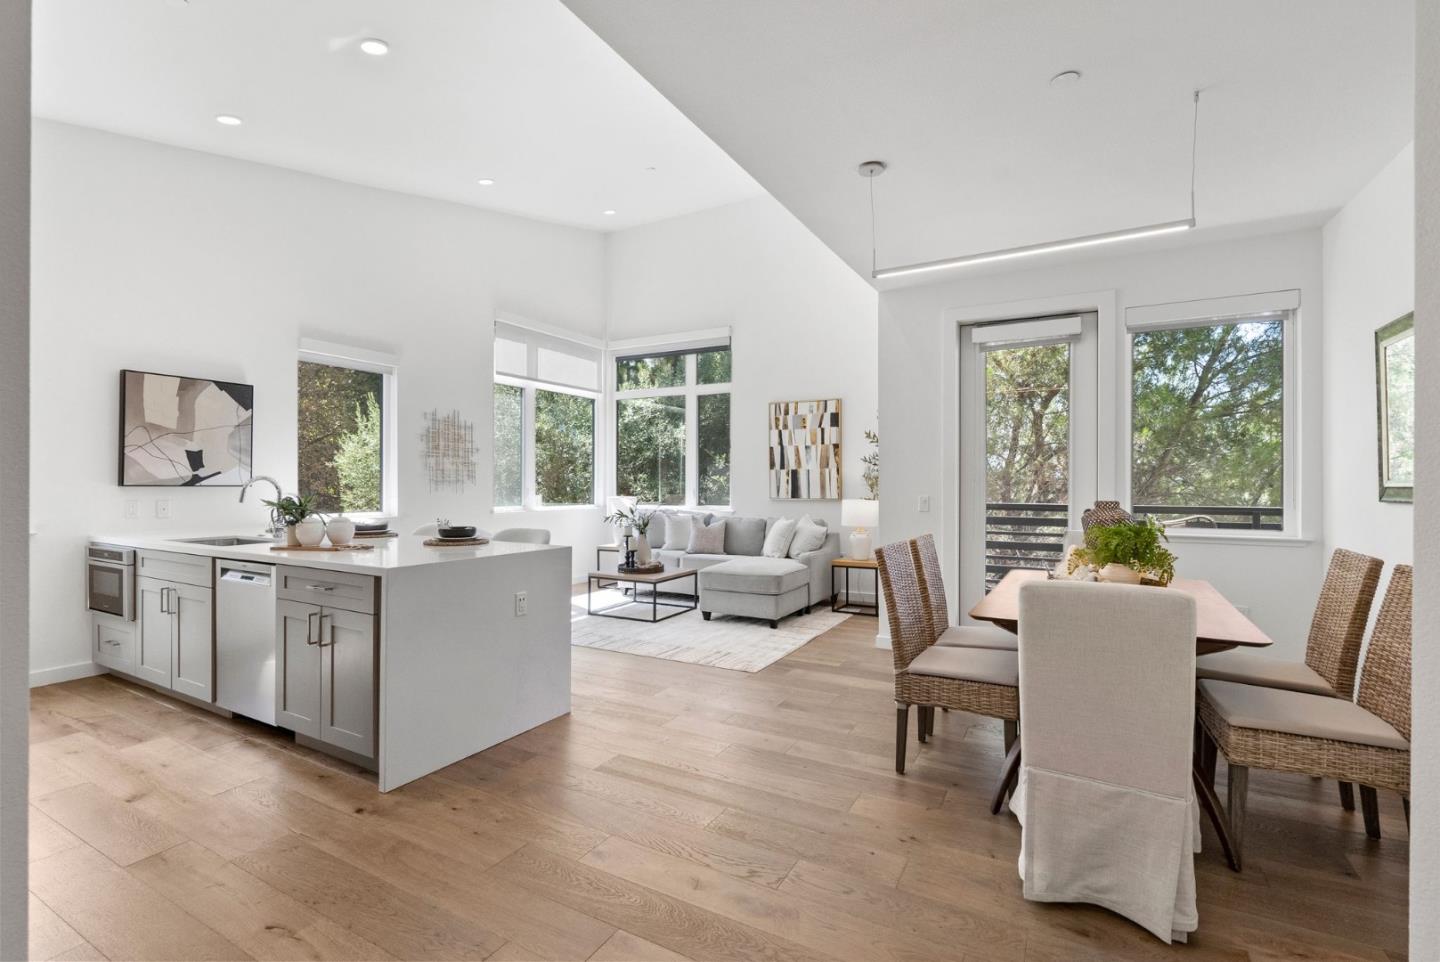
{"x": 1395, "y": 389}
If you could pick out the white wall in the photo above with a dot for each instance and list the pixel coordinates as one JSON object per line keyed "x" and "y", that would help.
{"x": 917, "y": 362}
{"x": 1369, "y": 276}
{"x": 804, "y": 326}
{"x": 162, "y": 259}
{"x": 14, "y": 465}
{"x": 1425, "y": 685}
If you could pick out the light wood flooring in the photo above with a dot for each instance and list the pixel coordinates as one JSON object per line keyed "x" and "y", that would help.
{"x": 679, "y": 812}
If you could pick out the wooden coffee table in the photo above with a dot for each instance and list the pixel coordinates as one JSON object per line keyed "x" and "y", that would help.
{"x": 636, "y": 579}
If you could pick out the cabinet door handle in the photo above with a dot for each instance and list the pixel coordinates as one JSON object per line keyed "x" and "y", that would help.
{"x": 165, "y": 602}
{"x": 311, "y": 635}
{"x": 321, "y": 587}
{"x": 323, "y": 642}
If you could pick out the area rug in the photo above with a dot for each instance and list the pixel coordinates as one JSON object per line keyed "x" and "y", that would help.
{"x": 739, "y": 644}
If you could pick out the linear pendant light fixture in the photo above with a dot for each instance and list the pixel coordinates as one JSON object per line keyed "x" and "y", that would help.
{"x": 874, "y": 168}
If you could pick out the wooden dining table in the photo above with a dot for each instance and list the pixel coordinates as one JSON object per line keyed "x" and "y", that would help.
{"x": 1219, "y": 626}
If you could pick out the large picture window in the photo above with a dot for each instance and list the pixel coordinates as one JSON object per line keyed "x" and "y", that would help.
{"x": 546, "y": 390}
{"x": 672, "y": 426}
{"x": 342, "y": 416}
{"x": 1208, "y": 422}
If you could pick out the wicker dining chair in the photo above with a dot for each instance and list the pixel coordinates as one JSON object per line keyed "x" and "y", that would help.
{"x": 1366, "y": 742}
{"x": 946, "y": 634}
{"x": 976, "y": 680}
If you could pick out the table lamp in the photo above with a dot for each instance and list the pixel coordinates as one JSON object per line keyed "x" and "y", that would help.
{"x": 860, "y": 514}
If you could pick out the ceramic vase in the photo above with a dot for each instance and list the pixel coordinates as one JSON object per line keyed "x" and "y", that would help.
{"x": 310, "y": 532}
{"x": 340, "y": 530}
{"x": 291, "y": 541}
{"x": 1118, "y": 574}
{"x": 642, "y": 549}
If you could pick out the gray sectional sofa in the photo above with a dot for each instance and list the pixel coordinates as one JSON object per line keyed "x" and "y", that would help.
{"x": 760, "y": 587}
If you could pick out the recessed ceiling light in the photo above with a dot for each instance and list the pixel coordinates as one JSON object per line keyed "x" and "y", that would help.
{"x": 485, "y": 182}
{"x": 229, "y": 120}
{"x": 609, "y": 213}
{"x": 375, "y": 47}
{"x": 1066, "y": 78}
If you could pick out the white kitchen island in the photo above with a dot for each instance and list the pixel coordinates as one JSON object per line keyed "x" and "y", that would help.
{"x": 456, "y": 669}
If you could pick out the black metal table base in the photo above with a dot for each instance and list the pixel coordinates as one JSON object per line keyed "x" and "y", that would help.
{"x": 656, "y": 604}
{"x": 847, "y": 607}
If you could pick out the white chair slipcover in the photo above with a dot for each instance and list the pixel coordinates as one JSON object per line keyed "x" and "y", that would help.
{"x": 1107, "y": 708}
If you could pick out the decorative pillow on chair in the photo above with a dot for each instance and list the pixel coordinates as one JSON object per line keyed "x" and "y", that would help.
{"x": 707, "y": 538}
{"x": 677, "y": 531}
{"x": 809, "y": 535}
{"x": 777, "y": 542}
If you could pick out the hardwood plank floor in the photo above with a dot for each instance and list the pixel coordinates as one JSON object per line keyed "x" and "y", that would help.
{"x": 679, "y": 812}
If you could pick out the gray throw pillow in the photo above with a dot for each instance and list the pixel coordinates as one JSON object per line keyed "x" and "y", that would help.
{"x": 707, "y": 538}
{"x": 744, "y": 536}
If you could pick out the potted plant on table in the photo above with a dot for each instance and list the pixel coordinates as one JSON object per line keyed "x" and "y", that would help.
{"x": 296, "y": 512}
{"x": 1127, "y": 553}
{"x": 636, "y": 521}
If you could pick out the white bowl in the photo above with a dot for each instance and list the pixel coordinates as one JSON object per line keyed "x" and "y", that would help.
{"x": 340, "y": 531}
{"x": 310, "y": 532}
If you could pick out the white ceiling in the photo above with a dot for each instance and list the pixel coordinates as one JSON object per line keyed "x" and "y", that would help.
{"x": 515, "y": 90}
{"x": 1304, "y": 101}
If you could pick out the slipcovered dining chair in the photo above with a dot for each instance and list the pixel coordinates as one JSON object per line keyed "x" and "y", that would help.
{"x": 1105, "y": 797}
{"x": 954, "y": 636}
{"x": 976, "y": 680}
{"x": 523, "y": 535}
{"x": 1366, "y": 741}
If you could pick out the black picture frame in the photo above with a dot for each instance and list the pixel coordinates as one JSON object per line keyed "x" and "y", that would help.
{"x": 243, "y": 394}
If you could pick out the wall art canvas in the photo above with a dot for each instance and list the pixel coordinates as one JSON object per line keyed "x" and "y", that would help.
{"x": 805, "y": 450}
{"x": 185, "y": 431}
{"x": 1395, "y": 391}
{"x": 448, "y": 443}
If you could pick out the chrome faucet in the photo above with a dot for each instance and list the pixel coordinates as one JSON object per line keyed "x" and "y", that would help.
{"x": 277, "y": 527}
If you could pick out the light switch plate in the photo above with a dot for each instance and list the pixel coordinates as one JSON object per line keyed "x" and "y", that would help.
{"x": 522, "y": 604}
{"x": 162, "y": 508}
{"x": 132, "y": 509}
{"x": 922, "y": 504}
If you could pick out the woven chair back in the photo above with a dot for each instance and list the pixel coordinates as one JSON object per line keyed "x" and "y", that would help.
{"x": 1385, "y": 681}
{"x": 910, "y": 631}
{"x": 937, "y": 610}
{"x": 1337, "y": 629}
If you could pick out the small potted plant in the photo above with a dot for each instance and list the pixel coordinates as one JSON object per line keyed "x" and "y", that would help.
{"x": 1127, "y": 553}
{"x": 637, "y": 521}
{"x": 294, "y": 512}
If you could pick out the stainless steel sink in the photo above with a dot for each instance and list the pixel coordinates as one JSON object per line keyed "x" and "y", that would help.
{"x": 225, "y": 542}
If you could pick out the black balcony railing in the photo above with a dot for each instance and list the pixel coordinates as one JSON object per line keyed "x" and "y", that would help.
{"x": 1020, "y": 535}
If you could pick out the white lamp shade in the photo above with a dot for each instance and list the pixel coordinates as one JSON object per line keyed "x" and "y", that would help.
{"x": 859, "y": 513}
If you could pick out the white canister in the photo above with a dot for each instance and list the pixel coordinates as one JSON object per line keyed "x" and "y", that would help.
{"x": 340, "y": 530}
{"x": 310, "y": 532}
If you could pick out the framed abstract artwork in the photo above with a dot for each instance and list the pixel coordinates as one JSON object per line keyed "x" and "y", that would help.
{"x": 805, "y": 450}
{"x": 1395, "y": 394}
{"x": 185, "y": 431}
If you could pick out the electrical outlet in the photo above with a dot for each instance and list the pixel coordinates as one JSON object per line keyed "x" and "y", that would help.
{"x": 162, "y": 508}
{"x": 522, "y": 604}
{"x": 922, "y": 504}
{"x": 132, "y": 509}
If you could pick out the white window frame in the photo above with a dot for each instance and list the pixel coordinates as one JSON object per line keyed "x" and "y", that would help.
{"x": 386, "y": 365}
{"x": 691, "y": 345}
{"x": 1209, "y": 312}
{"x": 529, "y": 495}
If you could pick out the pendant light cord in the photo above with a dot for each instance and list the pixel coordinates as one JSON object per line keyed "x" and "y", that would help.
{"x": 872, "y": 224}
{"x": 1194, "y": 144}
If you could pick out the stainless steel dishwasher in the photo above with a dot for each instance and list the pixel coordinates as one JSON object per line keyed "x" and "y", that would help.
{"x": 245, "y": 639}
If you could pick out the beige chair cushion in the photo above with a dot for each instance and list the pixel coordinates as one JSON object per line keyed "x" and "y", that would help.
{"x": 1248, "y": 668}
{"x": 968, "y": 664}
{"x": 979, "y": 636}
{"x": 1299, "y": 713}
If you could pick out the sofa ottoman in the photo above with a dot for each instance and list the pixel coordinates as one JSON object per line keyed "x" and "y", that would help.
{"x": 767, "y": 588}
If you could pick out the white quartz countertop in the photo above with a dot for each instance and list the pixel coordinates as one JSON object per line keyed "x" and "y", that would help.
{"x": 389, "y": 554}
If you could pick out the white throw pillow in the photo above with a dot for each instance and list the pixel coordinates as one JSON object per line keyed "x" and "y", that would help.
{"x": 808, "y": 536}
{"x": 677, "y": 531}
{"x": 707, "y": 538}
{"x": 777, "y": 541}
